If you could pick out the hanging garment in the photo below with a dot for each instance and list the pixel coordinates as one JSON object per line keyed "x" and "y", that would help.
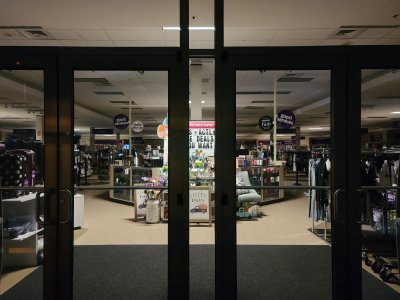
{"x": 312, "y": 209}
{"x": 321, "y": 195}
{"x": 384, "y": 175}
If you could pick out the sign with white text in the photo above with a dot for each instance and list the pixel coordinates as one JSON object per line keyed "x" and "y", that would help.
{"x": 202, "y": 137}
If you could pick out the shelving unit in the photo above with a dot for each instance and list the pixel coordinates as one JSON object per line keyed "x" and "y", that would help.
{"x": 267, "y": 175}
{"x": 128, "y": 176}
{"x": 21, "y": 251}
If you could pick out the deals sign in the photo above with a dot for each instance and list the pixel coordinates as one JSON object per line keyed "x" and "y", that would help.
{"x": 202, "y": 137}
{"x": 285, "y": 119}
{"x": 121, "y": 121}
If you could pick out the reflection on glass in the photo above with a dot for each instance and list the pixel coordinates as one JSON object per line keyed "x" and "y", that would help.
{"x": 380, "y": 155}
{"x": 21, "y": 165}
{"x": 121, "y": 140}
{"x": 283, "y": 140}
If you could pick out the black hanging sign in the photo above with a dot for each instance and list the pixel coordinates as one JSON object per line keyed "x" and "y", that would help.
{"x": 266, "y": 123}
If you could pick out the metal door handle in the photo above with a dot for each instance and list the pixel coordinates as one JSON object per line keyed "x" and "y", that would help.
{"x": 363, "y": 221}
{"x": 335, "y": 206}
{"x": 69, "y": 206}
{"x": 38, "y": 209}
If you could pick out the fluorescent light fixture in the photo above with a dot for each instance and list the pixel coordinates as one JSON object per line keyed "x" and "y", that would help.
{"x": 190, "y": 28}
{"x": 202, "y": 102}
{"x": 202, "y": 28}
{"x": 395, "y": 112}
{"x": 315, "y": 128}
{"x": 171, "y": 28}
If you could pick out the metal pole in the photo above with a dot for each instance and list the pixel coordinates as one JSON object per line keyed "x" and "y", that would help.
{"x": 275, "y": 144}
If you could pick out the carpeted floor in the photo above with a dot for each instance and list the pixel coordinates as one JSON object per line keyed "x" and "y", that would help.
{"x": 140, "y": 272}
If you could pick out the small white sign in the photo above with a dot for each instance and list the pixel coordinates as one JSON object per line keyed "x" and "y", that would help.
{"x": 199, "y": 204}
{"x": 137, "y": 126}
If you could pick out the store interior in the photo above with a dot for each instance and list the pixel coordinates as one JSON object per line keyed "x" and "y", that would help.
{"x": 121, "y": 140}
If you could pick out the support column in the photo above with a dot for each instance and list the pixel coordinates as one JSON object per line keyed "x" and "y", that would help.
{"x": 196, "y": 111}
{"x": 91, "y": 140}
{"x": 298, "y": 138}
{"x": 39, "y": 127}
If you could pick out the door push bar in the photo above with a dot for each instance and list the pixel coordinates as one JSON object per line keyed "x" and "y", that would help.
{"x": 335, "y": 206}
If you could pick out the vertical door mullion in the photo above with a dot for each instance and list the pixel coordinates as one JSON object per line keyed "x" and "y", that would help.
{"x": 178, "y": 164}
{"x": 65, "y": 175}
{"x": 354, "y": 180}
{"x": 50, "y": 179}
{"x": 341, "y": 140}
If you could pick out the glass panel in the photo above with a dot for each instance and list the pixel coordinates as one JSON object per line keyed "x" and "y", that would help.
{"x": 121, "y": 140}
{"x": 283, "y": 235}
{"x": 201, "y": 24}
{"x": 201, "y": 162}
{"x": 380, "y": 154}
{"x": 21, "y": 165}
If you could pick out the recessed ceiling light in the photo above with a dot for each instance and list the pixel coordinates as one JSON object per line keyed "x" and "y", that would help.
{"x": 315, "y": 128}
{"x": 190, "y": 28}
{"x": 202, "y": 102}
{"x": 190, "y": 102}
{"x": 395, "y": 112}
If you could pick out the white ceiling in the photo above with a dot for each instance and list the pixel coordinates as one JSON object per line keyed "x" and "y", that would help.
{"x": 21, "y": 95}
{"x": 137, "y": 23}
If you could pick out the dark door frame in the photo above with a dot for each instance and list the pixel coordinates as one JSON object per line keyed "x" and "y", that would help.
{"x": 296, "y": 58}
{"x": 360, "y": 59}
{"x": 15, "y": 59}
{"x": 146, "y": 59}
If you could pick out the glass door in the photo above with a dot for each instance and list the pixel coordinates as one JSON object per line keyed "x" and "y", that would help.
{"x": 375, "y": 192}
{"x": 282, "y": 178}
{"x": 28, "y": 161}
{"x": 125, "y": 116}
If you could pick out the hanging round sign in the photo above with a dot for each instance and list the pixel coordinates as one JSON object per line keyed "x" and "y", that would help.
{"x": 137, "y": 126}
{"x": 285, "y": 119}
{"x": 265, "y": 123}
{"x": 121, "y": 121}
{"x": 161, "y": 131}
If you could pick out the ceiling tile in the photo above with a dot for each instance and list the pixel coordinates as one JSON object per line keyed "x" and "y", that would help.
{"x": 172, "y": 43}
{"x": 201, "y": 44}
{"x": 349, "y": 42}
{"x": 171, "y": 35}
{"x": 387, "y": 42}
{"x": 375, "y": 33}
{"x": 60, "y": 34}
{"x": 201, "y": 35}
{"x": 395, "y": 34}
{"x": 248, "y": 34}
{"x": 302, "y": 34}
{"x": 74, "y": 43}
{"x": 28, "y": 42}
{"x": 295, "y": 42}
{"x": 10, "y": 34}
{"x": 138, "y": 35}
{"x": 251, "y": 43}
{"x": 94, "y": 35}
{"x": 140, "y": 43}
